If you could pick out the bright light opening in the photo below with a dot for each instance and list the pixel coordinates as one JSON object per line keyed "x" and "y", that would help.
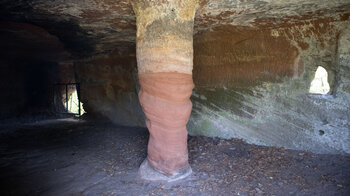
{"x": 320, "y": 84}
{"x": 73, "y": 104}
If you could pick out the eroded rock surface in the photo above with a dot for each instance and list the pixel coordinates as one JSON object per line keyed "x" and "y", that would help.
{"x": 253, "y": 63}
{"x": 260, "y": 92}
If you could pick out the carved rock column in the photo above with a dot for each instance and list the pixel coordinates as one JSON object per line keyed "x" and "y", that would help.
{"x": 165, "y": 61}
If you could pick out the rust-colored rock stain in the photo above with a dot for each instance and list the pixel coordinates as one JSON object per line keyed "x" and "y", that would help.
{"x": 230, "y": 55}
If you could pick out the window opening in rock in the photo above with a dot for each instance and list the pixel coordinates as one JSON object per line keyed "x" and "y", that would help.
{"x": 319, "y": 84}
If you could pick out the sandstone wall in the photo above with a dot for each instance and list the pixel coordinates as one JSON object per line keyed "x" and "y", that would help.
{"x": 12, "y": 91}
{"x": 109, "y": 87}
{"x": 253, "y": 84}
{"x": 29, "y": 67}
{"x": 250, "y": 83}
{"x": 27, "y": 88}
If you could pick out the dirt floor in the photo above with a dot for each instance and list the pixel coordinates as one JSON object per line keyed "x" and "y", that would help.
{"x": 71, "y": 157}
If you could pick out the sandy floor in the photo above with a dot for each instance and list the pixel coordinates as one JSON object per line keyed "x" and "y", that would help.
{"x": 68, "y": 157}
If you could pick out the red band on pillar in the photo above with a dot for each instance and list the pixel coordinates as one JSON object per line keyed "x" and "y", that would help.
{"x": 165, "y": 99}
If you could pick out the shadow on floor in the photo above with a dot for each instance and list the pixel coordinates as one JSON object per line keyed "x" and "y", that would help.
{"x": 72, "y": 157}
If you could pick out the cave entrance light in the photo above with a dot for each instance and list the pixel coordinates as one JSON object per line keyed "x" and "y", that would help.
{"x": 67, "y": 98}
{"x": 74, "y": 103}
{"x": 319, "y": 84}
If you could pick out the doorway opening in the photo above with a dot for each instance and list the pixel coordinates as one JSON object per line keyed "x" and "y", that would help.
{"x": 69, "y": 98}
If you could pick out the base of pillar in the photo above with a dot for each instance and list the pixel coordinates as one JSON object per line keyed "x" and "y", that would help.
{"x": 146, "y": 172}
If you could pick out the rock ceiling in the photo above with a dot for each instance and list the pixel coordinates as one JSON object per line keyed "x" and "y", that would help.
{"x": 97, "y": 26}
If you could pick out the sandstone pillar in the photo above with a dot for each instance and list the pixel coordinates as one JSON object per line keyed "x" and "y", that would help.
{"x": 165, "y": 60}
